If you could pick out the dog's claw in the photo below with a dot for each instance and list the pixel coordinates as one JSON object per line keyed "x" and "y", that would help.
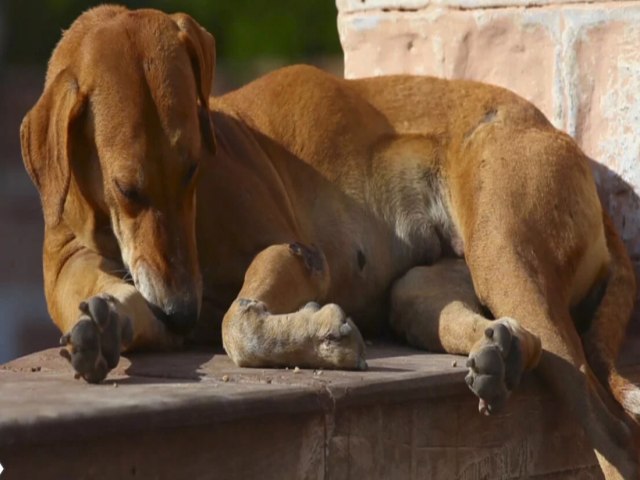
{"x": 64, "y": 353}
{"x": 345, "y": 329}
{"x": 314, "y": 306}
{"x": 84, "y": 307}
{"x": 483, "y": 407}
{"x": 469, "y": 379}
{"x": 362, "y": 364}
{"x": 341, "y": 344}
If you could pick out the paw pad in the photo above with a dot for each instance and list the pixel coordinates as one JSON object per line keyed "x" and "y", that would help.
{"x": 495, "y": 367}
{"x": 93, "y": 344}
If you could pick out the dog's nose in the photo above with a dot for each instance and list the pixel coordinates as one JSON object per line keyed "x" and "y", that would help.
{"x": 181, "y": 319}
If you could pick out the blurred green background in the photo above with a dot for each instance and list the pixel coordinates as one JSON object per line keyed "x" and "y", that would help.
{"x": 265, "y": 33}
{"x": 252, "y": 37}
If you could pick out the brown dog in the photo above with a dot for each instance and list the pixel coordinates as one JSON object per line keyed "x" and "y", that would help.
{"x": 321, "y": 190}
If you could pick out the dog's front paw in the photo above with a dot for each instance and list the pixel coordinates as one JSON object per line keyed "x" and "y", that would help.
{"x": 340, "y": 344}
{"x": 93, "y": 345}
{"x": 497, "y": 361}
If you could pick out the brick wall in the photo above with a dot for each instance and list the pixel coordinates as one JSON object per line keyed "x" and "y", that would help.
{"x": 578, "y": 62}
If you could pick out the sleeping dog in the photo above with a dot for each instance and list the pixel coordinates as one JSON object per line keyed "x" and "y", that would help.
{"x": 274, "y": 215}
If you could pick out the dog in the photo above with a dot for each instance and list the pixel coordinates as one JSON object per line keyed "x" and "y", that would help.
{"x": 452, "y": 209}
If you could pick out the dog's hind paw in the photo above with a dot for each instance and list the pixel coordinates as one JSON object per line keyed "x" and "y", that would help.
{"x": 93, "y": 345}
{"x": 497, "y": 361}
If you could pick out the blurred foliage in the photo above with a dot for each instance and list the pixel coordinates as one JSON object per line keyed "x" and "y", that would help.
{"x": 244, "y": 29}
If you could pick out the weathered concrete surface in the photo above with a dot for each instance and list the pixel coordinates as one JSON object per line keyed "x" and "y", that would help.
{"x": 195, "y": 415}
{"x": 579, "y": 63}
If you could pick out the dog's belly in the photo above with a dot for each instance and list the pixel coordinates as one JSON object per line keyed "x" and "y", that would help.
{"x": 377, "y": 241}
{"x": 364, "y": 267}
{"x": 374, "y": 204}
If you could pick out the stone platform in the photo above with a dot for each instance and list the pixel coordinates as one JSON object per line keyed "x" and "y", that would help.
{"x": 195, "y": 415}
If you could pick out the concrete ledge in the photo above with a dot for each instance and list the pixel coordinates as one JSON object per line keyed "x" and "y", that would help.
{"x": 195, "y": 415}
{"x": 195, "y": 388}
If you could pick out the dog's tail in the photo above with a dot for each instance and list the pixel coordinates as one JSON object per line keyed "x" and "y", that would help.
{"x": 604, "y": 337}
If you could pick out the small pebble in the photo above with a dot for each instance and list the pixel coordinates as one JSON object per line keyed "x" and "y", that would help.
{"x": 296, "y": 370}
{"x": 368, "y": 343}
{"x": 454, "y": 364}
{"x": 115, "y": 384}
{"x": 225, "y": 378}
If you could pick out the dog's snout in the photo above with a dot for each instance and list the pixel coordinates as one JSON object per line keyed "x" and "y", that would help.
{"x": 181, "y": 318}
{"x": 177, "y": 307}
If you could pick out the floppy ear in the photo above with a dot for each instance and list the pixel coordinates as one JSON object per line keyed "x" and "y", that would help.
{"x": 44, "y": 136}
{"x": 202, "y": 52}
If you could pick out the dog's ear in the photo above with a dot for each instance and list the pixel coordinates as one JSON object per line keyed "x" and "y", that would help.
{"x": 45, "y": 138}
{"x": 202, "y": 52}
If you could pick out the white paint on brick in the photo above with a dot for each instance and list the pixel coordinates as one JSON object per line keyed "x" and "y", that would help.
{"x": 438, "y": 53}
{"x": 568, "y": 75}
{"x": 365, "y": 22}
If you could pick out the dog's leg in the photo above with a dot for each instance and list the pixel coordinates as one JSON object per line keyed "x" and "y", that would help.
{"x": 532, "y": 231}
{"x": 604, "y": 337}
{"x": 563, "y": 363}
{"x": 275, "y": 321}
{"x": 436, "y": 308}
{"x": 99, "y": 313}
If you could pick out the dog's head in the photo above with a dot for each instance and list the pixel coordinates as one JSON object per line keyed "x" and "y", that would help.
{"x": 117, "y": 138}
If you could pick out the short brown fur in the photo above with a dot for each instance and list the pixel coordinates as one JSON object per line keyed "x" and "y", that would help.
{"x": 314, "y": 192}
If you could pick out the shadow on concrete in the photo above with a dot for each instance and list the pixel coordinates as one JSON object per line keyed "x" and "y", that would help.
{"x": 186, "y": 365}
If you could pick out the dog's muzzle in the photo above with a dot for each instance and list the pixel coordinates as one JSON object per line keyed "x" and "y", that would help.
{"x": 177, "y": 308}
{"x": 180, "y": 318}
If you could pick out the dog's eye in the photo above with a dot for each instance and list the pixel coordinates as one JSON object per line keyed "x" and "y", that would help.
{"x": 130, "y": 193}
